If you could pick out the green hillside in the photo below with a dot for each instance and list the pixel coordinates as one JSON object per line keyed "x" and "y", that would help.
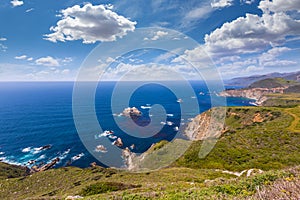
{"x": 256, "y": 137}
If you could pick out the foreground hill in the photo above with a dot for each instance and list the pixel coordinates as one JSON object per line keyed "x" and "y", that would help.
{"x": 253, "y": 137}
{"x": 257, "y": 156}
{"x": 170, "y": 183}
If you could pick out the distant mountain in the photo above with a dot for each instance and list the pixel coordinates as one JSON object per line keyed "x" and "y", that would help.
{"x": 246, "y": 81}
{"x": 273, "y": 83}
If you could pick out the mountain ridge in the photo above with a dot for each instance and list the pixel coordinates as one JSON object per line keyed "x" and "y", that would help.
{"x": 247, "y": 80}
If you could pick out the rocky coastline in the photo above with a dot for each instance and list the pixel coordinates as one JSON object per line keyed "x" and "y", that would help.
{"x": 257, "y": 94}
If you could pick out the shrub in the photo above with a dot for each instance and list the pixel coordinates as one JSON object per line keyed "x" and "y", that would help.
{"x": 103, "y": 187}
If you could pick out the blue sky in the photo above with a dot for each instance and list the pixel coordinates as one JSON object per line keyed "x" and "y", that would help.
{"x": 48, "y": 40}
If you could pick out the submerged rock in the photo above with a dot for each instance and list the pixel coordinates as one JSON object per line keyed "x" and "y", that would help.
{"x": 93, "y": 164}
{"x": 101, "y": 148}
{"x": 132, "y": 146}
{"x": 48, "y": 146}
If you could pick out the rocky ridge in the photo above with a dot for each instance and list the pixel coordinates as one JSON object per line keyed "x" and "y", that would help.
{"x": 209, "y": 124}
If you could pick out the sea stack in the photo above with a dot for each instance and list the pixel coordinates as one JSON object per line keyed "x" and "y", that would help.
{"x": 118, "y": 142}
{"x": 129, "y": 112}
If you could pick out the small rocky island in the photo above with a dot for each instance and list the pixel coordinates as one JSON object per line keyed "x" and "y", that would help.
{"x": 131, "y": 112}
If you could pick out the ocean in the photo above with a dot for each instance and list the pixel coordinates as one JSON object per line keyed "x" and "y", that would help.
{"x": 36, "y": 114}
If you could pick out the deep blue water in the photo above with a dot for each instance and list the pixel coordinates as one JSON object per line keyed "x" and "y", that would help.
{"x": 34, "y": 114}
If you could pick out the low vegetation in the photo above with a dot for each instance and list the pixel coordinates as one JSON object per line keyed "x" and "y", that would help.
{"x": 12, "y": 171}
{"x": 287, "y": 100}
{"x": 104, "y": 187}
{"x": 169, "y": 183}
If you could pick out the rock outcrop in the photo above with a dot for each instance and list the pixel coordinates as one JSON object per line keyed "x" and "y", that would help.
{"x": 45, "y": 167}
{"x": 209, "y": 124}
{"x": 129, "y": 157}
{"x": 118, "y": 142}
{"x": 258, "y": 118}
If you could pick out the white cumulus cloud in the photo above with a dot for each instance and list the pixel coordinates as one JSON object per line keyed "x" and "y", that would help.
{"x": 16, "y": 3}
{"x": 270, "y": 58}
{"x": 252, "y": 33}
{"x": 22, "y": 57}
{"x": 280, "y": 5}
{"x": 67, "y": 60}
{"x": 157, "y": 35}
{"x": 149, "y": 71}
{"x": 248, "y": 1}
{"x": 91, "y": 23}
{"x": 267, "y": 61}
{"x": 47, "y": 61}
{"x": 221, "y": 3}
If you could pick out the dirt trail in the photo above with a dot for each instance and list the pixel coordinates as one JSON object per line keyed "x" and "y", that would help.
{"x": 293, "y": 127}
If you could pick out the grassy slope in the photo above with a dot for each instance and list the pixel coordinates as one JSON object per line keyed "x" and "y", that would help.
{"x": 283, "y": 100}
{"x": 170, "y": 183}
{"x": 11, "y": 171}
{"x": 272, "y": 144}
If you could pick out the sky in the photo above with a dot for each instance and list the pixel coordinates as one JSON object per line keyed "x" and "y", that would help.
{"x": 49, "y": 40}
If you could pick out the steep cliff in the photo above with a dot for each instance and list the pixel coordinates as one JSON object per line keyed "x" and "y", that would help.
{"x": 209, "y": 124}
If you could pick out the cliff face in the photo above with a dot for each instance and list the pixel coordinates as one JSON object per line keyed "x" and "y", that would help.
{"x": 209, "y": 124}
{"x": 258, "y": 94}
